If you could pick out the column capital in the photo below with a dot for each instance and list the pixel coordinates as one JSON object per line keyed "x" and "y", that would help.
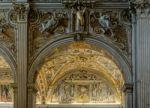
{"x": 128, "y": 88}
{"x": 21, "y": 10}
{"x": 141, "y": 8}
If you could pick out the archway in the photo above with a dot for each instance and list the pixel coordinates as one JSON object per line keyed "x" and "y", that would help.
{"x": 96, "y": 43}
{"x": 79, "y": 55}
{"x": 6, "y": 81}
{"x": 8, "y": 77}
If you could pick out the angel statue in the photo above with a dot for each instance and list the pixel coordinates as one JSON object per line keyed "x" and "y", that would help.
{"x": 104, "y": 21}
{"x": 48, "y": 23}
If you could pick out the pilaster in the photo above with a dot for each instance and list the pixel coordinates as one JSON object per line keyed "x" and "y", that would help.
{"x": 141, "y": 54}
{"x": 22, "y": 15}
{"x": 128, "y": 91}
{"x": 15, "y": 98}
{"x": 32, "y": 90}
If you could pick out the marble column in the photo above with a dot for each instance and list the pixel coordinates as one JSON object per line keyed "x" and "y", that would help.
{"x": 128, "y": 93}
{"x": 141, "y": 55}
{"x": 32, "y": 90}
{"x": 22, "y": 16}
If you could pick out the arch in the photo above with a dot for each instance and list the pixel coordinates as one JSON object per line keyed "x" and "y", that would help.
{"x": 8, "y": 56}
{"x": 97, "y": 40}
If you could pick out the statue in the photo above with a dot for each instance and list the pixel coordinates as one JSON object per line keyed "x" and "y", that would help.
{"x": 48, "y": 23}
{"x": 80, "y": 21}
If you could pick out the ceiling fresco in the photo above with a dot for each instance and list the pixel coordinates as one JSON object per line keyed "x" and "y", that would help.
{"x": 77, "y": 56}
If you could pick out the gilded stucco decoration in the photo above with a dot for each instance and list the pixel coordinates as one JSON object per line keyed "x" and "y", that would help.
{"x": 83, "y": 57}
{"x": 80, "y": 17}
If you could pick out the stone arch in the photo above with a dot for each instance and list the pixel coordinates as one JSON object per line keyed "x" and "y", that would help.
{"x": 8, "y": 56}
{"x": 97, "y": 40}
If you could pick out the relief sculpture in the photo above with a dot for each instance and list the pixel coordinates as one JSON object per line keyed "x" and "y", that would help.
{"x": 53, "y": 22}
{"x": 49, "y": 23}
{"x": 104, "y": 23}
{"x": 45, "y": 25}
{"x": 107, "y": 23}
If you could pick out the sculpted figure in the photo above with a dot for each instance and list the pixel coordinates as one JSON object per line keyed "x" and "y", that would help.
{"x": 51, "y": 21}
{"x": 80, "y": 21}
{"x": 104, "y": 22}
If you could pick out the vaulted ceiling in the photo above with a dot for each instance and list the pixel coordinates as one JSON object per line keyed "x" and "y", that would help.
{"x": 78, "y": 56}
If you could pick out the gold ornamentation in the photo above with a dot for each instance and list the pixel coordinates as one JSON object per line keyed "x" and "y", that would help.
{"x": 77, "y": 56}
